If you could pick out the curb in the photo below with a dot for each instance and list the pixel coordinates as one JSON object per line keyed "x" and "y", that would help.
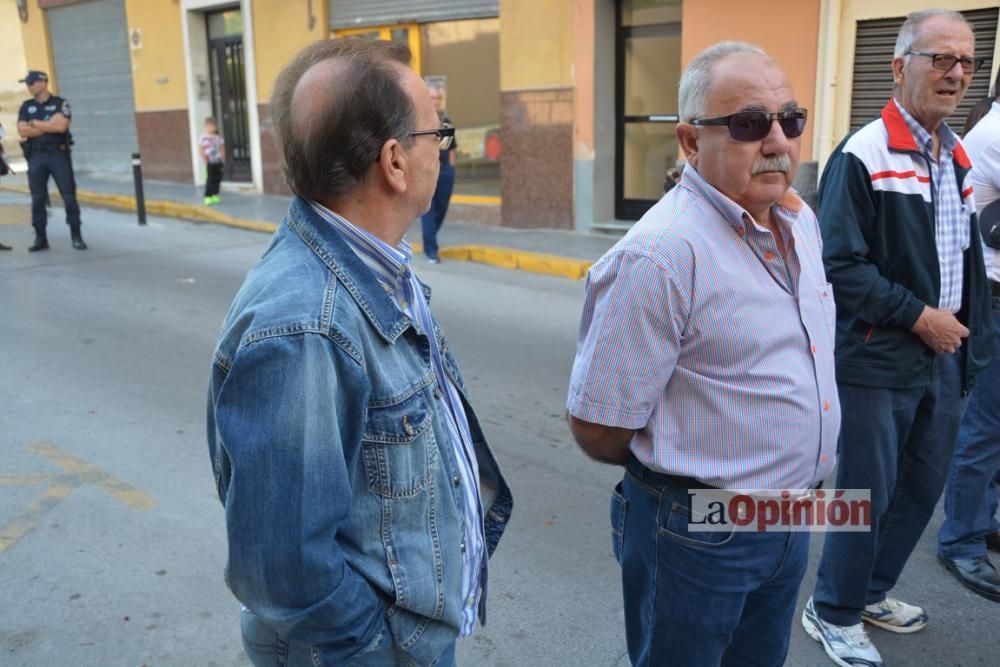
{"x": 504, "y": 258}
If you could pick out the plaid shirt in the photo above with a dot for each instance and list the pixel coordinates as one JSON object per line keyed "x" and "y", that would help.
{"x": 392, "y": 267}
{"x": 951, "y": 216}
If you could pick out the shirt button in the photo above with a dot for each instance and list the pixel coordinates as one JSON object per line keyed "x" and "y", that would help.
{"x": 826, "y": 405}
{"x": 741, "y": 231}
{"x": 769, "y": 255}
{"x": 456, "y": 480}
{"x": 463, "y": 546}
{"x": 824, "y": 458}
{"x": 814, "y": 349}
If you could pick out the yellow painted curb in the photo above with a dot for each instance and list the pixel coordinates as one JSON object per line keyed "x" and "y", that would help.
{"x": 476, "y": 200}
{"x": 166, "y": 209}
{"x": 505, "y": 258}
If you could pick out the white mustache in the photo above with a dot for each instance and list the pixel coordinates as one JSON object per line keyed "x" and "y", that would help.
{"x": 773, "y": 163}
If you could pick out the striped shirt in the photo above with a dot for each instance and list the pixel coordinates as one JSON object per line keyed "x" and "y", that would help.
{"x": 393, "y": 269}
{"x": 951, "y": 215}
{"x": 715, "y": 349}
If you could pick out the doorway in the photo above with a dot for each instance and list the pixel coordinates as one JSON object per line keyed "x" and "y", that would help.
{"x": 648, "y": 72}
{"x": 227, "y": 74}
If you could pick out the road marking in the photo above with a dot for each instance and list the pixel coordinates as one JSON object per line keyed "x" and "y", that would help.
{"x": 76, "y": 473}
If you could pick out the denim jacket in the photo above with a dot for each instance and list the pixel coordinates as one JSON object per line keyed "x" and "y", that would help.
{"x": 332, "y": 456}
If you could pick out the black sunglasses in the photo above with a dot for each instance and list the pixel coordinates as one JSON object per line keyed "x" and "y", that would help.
{"x": 445, "y": 135}
{"x": 755, "y": 125}
{"x": 944, "y": 62}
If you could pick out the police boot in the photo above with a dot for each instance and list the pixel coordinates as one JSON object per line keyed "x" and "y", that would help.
{"x": 78, "y": 243}
{"x": 41, "y": 242}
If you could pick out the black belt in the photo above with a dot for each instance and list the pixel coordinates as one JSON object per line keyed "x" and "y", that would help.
{"x": 662, "y": 479}
{"x": 659, "y": 479}
{"x": 47, "y": 148}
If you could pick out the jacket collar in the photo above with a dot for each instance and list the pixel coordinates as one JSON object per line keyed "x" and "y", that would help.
{"x": 359, "y": 280}
{"x": 901, "y": 139}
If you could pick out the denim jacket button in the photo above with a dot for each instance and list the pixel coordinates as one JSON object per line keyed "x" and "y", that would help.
{"x": 463, "y": 546}
{"x": 437, "y": 393}
{"x": 457, "y": 480}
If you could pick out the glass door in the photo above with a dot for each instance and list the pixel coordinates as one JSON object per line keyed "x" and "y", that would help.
{"x": 229, "y": 95}
{"x": 648, "y": 71}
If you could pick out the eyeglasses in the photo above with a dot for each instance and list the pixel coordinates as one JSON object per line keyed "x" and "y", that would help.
{"x": 445, "y": 135}
{"x": 755, "y": 125}
{"x": 944, "y": 62}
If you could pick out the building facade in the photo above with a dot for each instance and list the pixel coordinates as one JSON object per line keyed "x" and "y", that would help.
{"x": 566, "y": 108}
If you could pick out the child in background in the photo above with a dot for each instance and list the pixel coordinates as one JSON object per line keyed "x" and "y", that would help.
{"x": 213, "y": 152}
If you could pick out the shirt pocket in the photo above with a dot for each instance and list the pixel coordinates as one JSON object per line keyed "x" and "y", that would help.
{"x": 398, "y": 446}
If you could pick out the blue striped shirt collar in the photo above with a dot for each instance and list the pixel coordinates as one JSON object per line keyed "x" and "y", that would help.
{"x": 923, "y": 137}
{"x": 389, "y": 264}
{"x": 787, "y": 207}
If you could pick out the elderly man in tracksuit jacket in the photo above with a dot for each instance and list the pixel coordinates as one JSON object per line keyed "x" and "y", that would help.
{"x": 902, "y": 249}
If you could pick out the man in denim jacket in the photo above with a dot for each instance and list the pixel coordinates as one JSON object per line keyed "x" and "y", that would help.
{"x": 361, "y": 499}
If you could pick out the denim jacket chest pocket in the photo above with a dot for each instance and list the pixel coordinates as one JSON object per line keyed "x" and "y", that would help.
{"x": 399, "y": 449}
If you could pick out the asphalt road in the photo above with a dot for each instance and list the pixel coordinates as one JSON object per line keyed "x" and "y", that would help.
{"x": 112, "y": 539}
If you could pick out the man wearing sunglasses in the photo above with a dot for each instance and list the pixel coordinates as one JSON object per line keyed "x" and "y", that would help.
{"x": 704, "y": 364}
{"x": 361, "y": 498}
{"x": 902, "y": 248}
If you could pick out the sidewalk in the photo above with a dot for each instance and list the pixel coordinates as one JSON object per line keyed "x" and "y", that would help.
{"x": 552, "y": 252}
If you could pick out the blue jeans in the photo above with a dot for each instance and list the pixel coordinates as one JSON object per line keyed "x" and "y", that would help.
{"x": 970, "y": 502}
{"x": 431, "y": 221}
{"x": 266, "y": 648}
{"x": 700, "y": 598}
{"x": 897, "y": 443}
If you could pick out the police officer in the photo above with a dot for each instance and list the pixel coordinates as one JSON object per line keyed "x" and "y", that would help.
{"x": 43, "y": 123}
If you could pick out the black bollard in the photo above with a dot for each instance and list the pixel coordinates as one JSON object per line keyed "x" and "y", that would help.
{"x": 140, "y": 200}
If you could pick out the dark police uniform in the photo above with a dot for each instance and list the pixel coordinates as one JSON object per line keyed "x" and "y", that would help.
{"x": 48, "y": 155}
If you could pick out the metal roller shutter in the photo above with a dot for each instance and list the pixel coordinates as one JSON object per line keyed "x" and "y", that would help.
{"x": 874, "y": 44}
{"x": 93, "y": 71}
{"x": 360, "y": 13}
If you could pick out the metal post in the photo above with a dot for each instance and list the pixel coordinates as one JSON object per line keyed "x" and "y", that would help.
{"x": 140, "y": 200}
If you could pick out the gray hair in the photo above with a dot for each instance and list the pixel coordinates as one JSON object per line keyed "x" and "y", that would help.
{"x": 697, "y": 75}
{"x": 910, "y": 32}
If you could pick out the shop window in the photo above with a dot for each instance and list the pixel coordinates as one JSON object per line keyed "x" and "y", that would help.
{"x": 463, "y": 57}
{"x": 408, "y": 34}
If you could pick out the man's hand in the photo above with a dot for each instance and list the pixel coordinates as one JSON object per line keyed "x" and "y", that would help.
{"x": 939, "y": 330}
{"x": 28, "y": 131}
{"x": 607, "y": 444}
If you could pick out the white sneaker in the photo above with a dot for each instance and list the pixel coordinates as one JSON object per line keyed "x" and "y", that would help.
{"x": 847, "y": 646}
{"x": 895, "y": 616}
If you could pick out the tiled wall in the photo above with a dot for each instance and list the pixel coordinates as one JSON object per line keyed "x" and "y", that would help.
{"x": 274, "y": 177}
{"x": 536, "y": 177}
{"x": 165, "y": 145}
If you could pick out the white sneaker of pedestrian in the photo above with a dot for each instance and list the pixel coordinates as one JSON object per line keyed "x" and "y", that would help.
{"x": 847, "y": 646}
{"x": 895, "y": 616}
